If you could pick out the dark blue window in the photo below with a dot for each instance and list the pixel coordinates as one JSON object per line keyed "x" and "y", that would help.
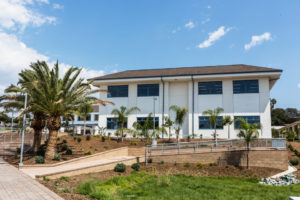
{"x": 117, "y": 91}
{"x": 248, "y": 119}
{"x": 212, "y": 87}
{"x": 142, "y": 120}
{"x": 148, "y": 90}
{"x": 246, "y": 86}
{"x": 204, "y": 124}
{"x": 111, "y": 123}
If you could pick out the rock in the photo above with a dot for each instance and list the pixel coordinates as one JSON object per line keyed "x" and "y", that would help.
{"x": 288, "y": 179}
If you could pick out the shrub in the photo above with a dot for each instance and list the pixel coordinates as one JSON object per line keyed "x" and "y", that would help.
{"x": 64, "y": 190}
{"x": 64, "y": 148}
{"x": 290, "y": 147}
{"x": 58, "y": 138}
{"x": 96, "y": 149}
{"x": 136, "y": 166}
{"x": 39, "y": 159}
{"x": 187, "y": 165}
{"x": 56, "y": 156}
{"x": 103, "y": 139}
{"x": 296, "y": 152}
{"x": 74, "y": 138}
{"x": 40, "y": 152}
{"x": 45, "y": 178}
{"x": 133, "y": 143}
{"x": 88, "y": 153}
{"x": 64, "y": 178}
{"x": 294, "y": 161}
{"x": 175, "y": 163}
{"x": 200, "y": 165}
{"x": 105, "y": 147}
{"x": 78, "y": 139}
{"x": 213, "y": 164}
{"x": 18, "y": 151}
{"x": 161, "y": 162}
{"x": 120, "y": 167}
{"x": 149, "y": 160}
{"x": 65, "y": 141}
{"x": 88, "y": 137}
{"x": 69, "y": 151}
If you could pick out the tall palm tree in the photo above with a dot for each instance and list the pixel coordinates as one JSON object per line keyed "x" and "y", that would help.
{"x": 213, "y": 116}
{"x": 248, "y": 132}
{"x": 227, "y": 121}
{"x": 179, "y": 119}
{"x": 55, "y": 96}
{"x": 121, "y": 115}
{"x": 85, "y": 109}
{"x": 168, "y": 124}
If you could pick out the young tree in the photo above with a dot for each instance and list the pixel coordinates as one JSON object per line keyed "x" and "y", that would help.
{"x": 85, "y": 110}
{"x": 179, "y": 119}
{"x": 213, "y": 116}
{"x": 168, "y": 124}
{"x": 121, "y": 115}
{"x": 227, "y": 121}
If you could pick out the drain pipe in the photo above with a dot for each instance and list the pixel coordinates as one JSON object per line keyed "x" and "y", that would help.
{"x": 163, "y": 104}
{"x": 193, "y": 106}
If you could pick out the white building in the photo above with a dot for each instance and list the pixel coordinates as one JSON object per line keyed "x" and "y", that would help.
{"x": 241, "y": 90}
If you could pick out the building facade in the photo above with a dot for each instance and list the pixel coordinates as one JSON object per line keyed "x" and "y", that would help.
{"x": 243, "y": 91}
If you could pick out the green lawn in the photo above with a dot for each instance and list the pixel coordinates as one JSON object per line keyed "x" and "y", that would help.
{"x": 145, "y": 186}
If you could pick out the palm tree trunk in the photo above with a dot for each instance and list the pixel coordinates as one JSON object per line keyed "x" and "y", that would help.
{"x": 53, "y": 125}
{"x": 122, "y": 132}
{"x": 228, "y": 131}
{"x": 215, "y": 135}
{"x": 84, "y": 125}
{"x": 177, "y": 135}
{"x": 170, "y": 133}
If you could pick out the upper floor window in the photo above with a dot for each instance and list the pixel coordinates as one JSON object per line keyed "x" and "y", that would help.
{"x": 96, "y": 117}
{"x": 245, "y": 86}
{"x": 145, "y": 90}
{"x": 142, "y": 120}
{"x": 212, "y": 87}
{"x": 248, "y": 119}
{"x": 88, "y": 118}
{"x": 204, "y": 123}
{"x": 111, "y": 123}
{"x": 117, "y": 91}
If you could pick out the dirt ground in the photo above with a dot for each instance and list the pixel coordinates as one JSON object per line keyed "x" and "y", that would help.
{"x": 159, "y": 170}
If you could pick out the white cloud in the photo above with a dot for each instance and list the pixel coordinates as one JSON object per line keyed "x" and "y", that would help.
{"x": 258, "y": 39}
{"x": 208, "y": 6}
{"x": 205, "y": 21}
{"x": 189, "y": 25}
{"x": 298, "y": 85}
{"x": 57, "y": 6}
{"x": 214, "y": 36}
{"x": 43, "y": 1}
{"x": 16, "y": 14}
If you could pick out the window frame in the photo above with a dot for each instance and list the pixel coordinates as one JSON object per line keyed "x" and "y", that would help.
{"x": 148, "y": 93}
{"x": 118, "y": 95}
{"x": 116, "y": 126}
{"x": 244, "y": 86}
{"x": 145, "y": 118}
{"x": 212, "y": 87}
{"x": 209, "y": 126}
{"x": 236, "y": 122}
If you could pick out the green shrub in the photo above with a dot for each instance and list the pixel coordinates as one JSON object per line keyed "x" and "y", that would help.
{"x": 200, "y": 165}
{"x": 40, "y": 152}
{"x": 105, "y": 147}
{"x": 65, "y": 141}
{"x": 297, "y": 153}
{"x": 290, "y": 147}
{"x": 58, "y": 138}
{"x": 149, "y": 160}
{"x": 120, "y": 167}
{"x": 136, "y": 166}
{"x": 64, "y": 148}
{"x": 69, "y": 151}
{"x": 64, "y": 190}
{"x": 78, "y": 139}
{"x": 96, "y": 149}
{"x": 133, "y": 143}
{"x": 161, "y": 162}
{"x": 88, "y": 152}
{"x": 56, "y": 156}
{"x": 294, "y": 161}
{"x": 45, "y": 178}
{"x": 64, "y": 178}
{"x": 74, "y": 138}
{"x": 88, "y": 137}
{"x": 39, "y": 159}
{"x": 213, "y": 164}
{"x": 18, "y": 151}
{"x": 103, "y": 139}
{"x": 187, "y": 165}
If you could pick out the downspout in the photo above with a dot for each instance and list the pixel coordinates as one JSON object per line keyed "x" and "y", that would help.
{"x": 163, "y": 104}
{"x": 193, "y": 106}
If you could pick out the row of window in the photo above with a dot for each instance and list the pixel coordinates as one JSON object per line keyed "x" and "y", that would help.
{"x": 204, "y": 88}
{"x": 88, "y": 118}
{"x": 111, "y": 122}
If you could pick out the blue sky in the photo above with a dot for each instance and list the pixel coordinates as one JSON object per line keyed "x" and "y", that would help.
{"x": 109, "y": 36}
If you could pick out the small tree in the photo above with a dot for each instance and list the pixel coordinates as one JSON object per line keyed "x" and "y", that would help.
{"x": 227, "y": 121}
{"x": 85, "y": 110}
{"x": 179, "y": 119}
{"x": 168, "y": 124}
{"x": 291, "y": 135}
{"x": 213, "y": 119}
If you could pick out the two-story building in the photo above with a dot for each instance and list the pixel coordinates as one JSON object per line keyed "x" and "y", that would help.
{"x": 243, "y": 91}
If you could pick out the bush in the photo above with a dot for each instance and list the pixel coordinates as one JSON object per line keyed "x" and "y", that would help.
{"x": 161, "y": 162}
{"x": 187, "y": 165}
{"x": 64, "y": 190}
{"x": 39, "y": 159}
{"x": 88, "y": 152}
{"x": 64, "y": 178}
{"x": 69, "y": 151}
{"x": 103, "y": 139}
{"x": 96, "y": 149}
{"x": 136, "y": 166}
{"x": 88, "y": 137}
{"x": 133, "y": 143}
{"x": 78, "y": 139}
{"x": 58, "y": 138}
{"x": 213, "y": 164}
{"x": 74, "y": 138}
{"x": 45, "y": 178}
{"x": 105, "y": 147}
{"x": 18, "y": 151}
{"x": 296, "y": 152}
{"x": 200, "y": 165}
{"x": 120, "y": 167}
{"x": 64, "y": 141}
{"x": 64, "y": 148}
{"x": 290, "y": 147}
{"x": 294, "y": 161}
{"x": 56, "y": 156}
{"x": 149, "y": 160}
{"x": 40, "y": 152}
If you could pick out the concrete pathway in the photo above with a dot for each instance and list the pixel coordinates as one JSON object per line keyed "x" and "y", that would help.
{"x": 61, "y": 168}
{"x": 15, "y": 185}
{"x": 290, "y": 170}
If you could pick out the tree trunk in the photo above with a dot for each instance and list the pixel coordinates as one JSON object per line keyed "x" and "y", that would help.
{"x": 177, "y": 135}
{"x": 53, "y": 125}
{"x": 215, "y": 135}
{"x": 228, "y": 131}
{"x": 84, "y": 125}
{"x": 38, "y": 123}
{"x": 170, "y": 133}
{"x": 122, "y": 132}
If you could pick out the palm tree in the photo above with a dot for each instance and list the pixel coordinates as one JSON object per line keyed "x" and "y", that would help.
{"x": 213, "y": 120}
{"x": 85, "y": 109}
{"x": 248, "y": 132}
{"x": 227, "y": 121}
{"x": 179, "y": 119}
{"x": 56, "y": 97}
{"x": 121, "y": 115}
{"x": 168, "y": 124}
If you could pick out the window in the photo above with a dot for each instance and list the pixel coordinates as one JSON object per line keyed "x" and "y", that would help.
{"x": 96, "y": 117}
{"x": 111, "y": 123}
{"x": 248, "y": 119}
{"x": 204, "y": 124}
{"x": 79, "y": 119}
{"x": 88, "y": 118}
{"x": 142, "y": 120}
{"x": 146, "y": 90}
{"x": 117, "y": 91}
{"x": 213, "y": 87}
{"x": 246, "y": 86}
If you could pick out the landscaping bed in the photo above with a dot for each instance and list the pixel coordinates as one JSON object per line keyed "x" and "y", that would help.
{"x": 149, "y": 175}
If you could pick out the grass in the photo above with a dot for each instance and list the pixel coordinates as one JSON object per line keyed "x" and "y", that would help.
{"x": 145, "y": 186}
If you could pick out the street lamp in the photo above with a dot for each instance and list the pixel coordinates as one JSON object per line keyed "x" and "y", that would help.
{"x": 23, "y": 131}
{"x": 154, "y": 99}
{"x": 12, "y": 121}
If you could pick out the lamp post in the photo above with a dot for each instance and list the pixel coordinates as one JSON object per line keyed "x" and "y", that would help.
{"x": 23, "y": 131}
{"x": 12, "y": 121}
{"x": 154, "y": 99}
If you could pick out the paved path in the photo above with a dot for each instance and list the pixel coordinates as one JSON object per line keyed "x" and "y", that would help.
{"x": 62, "y": 168}
{"x": 15, "y": 185}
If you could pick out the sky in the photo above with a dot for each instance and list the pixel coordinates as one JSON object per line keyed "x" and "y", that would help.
{"x": 107, "y": 36}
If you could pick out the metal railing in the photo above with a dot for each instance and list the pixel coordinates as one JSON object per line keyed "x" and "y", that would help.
{"x": 211, "y": 146}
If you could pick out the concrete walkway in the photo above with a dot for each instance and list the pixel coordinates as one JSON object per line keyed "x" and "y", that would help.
{"x": 15, "y": 185}
{"x": 61, "y": 168}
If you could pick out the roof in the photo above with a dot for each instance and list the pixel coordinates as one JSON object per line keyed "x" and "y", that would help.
{"x": 186, "y": 71}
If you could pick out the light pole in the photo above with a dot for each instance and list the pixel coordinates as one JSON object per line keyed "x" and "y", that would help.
{"x": 154, "y": 99}
{"x": 23, "y": 131}
{"x": 12, "y": 121}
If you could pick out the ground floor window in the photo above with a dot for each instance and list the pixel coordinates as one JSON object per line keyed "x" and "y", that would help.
{"x": 248, "y": 119}
{"x": 111, "y": 123}
{"x": 142, "y": 120}
{"x": 204, "y": 123}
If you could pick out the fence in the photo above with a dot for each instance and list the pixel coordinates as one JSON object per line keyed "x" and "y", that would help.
{"x": 10, "y": 141}
{"x": 210, "y": 146}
